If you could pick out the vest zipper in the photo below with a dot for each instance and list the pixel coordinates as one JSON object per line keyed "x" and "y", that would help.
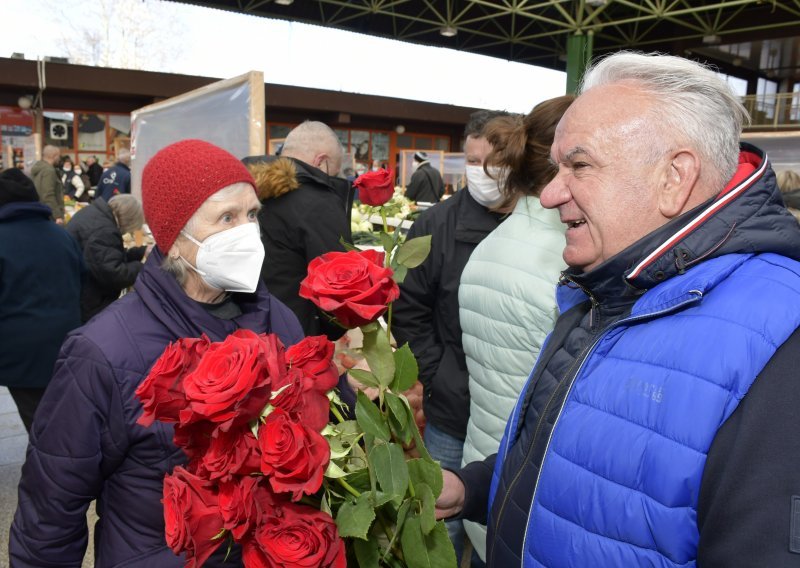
{"x": 584, "y": 356}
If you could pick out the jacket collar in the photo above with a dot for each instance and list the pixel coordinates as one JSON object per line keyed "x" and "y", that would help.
{"x": 748, "y": 216}
{"x": 184, "y": 317}
{"x": 24, "y": 209}
{"x": 474, "y": 221}
{"x": 342, "y": 188}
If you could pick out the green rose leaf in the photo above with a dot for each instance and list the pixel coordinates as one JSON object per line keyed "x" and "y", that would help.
{"x": 391, "y": 471}
{"x": 378, "y": 354}
{"x": 433, "y": 550}
{"x": 367, "y": 553}
{"x": 398, "y": 417}
{"x": 426, "y": 472}
{"x": 406, "y": 369}
{"x": 420, "y": 444}
{"x": 427, "y": 514}
{"x": 355, "y": 517}
{"x": 414, "y": 252}
{"x": 387, "y": 241}
{"x": 364, "y": 377}
{"x": 400, "y": 273}
{"x": 370, "y": 418}
{"x": 402, "y": 513}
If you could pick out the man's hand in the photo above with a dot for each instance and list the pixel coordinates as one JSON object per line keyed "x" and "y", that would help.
{"x": 60, "y": 221}
{"x": 451, "y": 500}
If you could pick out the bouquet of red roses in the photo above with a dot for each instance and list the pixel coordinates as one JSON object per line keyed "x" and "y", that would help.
{"x": 267, "y": 469}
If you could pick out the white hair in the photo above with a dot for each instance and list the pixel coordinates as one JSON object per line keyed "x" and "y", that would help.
{"x": 311, "y": 138}
{"x": 124, "y": 156}
{"x": 694, "y": 103}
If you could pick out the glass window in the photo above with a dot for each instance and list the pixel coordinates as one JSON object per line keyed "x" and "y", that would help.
{"x": 344, "y": 137}
{"x": 359, "y": 145}
{"x": 423, "y": 143}
{"x": 91, "y": 132}
{"x": 443, "y": 144}
{"x": 58, "y": 129}
{"x": 405, "y": 141}
{"x": 380, "y": 146}
{"x": 279, "y": 130}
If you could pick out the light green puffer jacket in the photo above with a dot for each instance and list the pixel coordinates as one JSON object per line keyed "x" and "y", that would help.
{"x": 507, "y": 307}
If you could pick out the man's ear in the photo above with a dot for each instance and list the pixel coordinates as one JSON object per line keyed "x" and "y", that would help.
{"x": 679, "y": 183}
{"x": 319, "y": 159}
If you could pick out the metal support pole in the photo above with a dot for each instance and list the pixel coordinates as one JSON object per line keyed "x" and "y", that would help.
{"x": 579, "y": 55}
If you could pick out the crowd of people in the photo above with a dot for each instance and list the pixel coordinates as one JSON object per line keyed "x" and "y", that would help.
{"x": 606, "y": 326}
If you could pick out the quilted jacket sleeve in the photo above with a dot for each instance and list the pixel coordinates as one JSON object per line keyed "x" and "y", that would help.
{"x": 108, "y": 261}
{"x": 78, "y": 438}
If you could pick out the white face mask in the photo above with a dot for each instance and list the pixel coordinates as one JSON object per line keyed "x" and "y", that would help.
{"x": 484, "y": 189}
{"x": 78, "y": 171}
{"x": 231, "y": 259}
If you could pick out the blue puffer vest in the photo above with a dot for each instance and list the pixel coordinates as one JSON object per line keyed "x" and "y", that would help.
{"x": 623, "y": 466}
{"x": 625, "y": 399}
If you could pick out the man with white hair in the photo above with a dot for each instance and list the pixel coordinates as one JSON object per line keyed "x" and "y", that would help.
{"x": 47, "y": 182}
{"x": 305, "y": 213}
{"x": 116, "y": 179}
{"x": 657, "y": 427}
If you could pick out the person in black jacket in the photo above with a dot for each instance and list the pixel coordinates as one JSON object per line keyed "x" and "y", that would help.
{"x": 426, "y": 315}
{"x": 426, "y": 183}
{"x": 98, "y": 228}
{"x": 40, "y": 284}
{"x": 305, "y": 213}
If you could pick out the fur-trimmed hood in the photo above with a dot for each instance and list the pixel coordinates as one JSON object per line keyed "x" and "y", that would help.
{"x": 274, "y": 176}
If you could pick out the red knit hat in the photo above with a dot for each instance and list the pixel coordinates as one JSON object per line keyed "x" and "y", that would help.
{"x": 178, "y": 180}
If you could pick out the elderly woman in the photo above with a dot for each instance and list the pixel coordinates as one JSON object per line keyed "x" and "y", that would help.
{"x": 98, "y": 229}
{"x": 85, "y": 445}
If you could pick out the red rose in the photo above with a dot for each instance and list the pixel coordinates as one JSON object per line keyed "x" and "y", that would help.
{"x": 295, "y": 536}
{"x": 293, "y": 456}
{"x": 194, "y": 440}
{"x": 161, "y": 393}
{"x": 354, "y": 286}
{"x": 314, "y": 355}
{"x": 233, "y": 452}
{"x": 191, "y": 516}
{"x": 239, "y": 501}
{"x": 297, "y": 395}
{"x": 375, "y": 188}
{"x": 232, "y": 383}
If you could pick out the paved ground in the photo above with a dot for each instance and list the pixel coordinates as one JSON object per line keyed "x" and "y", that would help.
{"x": 13, "y": 441}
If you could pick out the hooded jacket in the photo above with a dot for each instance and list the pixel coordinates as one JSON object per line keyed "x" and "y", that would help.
{"x": 40, "y": 284}
{"x": 49, "y": 187}
{"x": 305, "y": 214}
{"x": 652, "y": 429}
{"x": 111, "y": 267}
{"x": 86, "y": 445}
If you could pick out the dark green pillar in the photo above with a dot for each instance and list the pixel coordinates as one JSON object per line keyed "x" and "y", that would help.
{"x": 579, "y": 55}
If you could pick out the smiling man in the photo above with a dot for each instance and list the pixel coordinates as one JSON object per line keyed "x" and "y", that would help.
{"x": 654, "y": 428}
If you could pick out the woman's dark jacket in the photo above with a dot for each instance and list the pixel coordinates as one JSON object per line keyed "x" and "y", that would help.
{"x": 40, "y": 285}
{"x": 111, "y": 267}
{"x": 85, "y": 442}
{"x": 305, "y": 214}
{"x": 426, "y": 315}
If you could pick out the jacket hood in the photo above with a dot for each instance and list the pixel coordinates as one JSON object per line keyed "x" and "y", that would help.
{"x": 24, "y": 209}
{"x": 274, "y": 176}
{"x": 39, "y": 166}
